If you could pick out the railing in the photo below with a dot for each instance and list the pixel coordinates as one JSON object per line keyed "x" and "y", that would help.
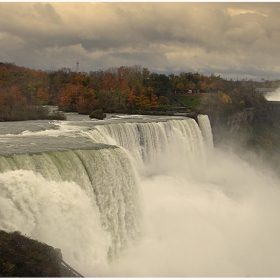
{"x": 72, "y": 269}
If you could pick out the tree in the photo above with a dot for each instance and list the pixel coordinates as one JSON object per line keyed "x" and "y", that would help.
{"x": 12, "y": 104}
{"x": 87, "y": 101}
{"x": 131, "y": 100}
{"x": 225, "y": 98}
{"x": 69, "y": 98}
{"x": 159, "y": 82}
{"x": 124, "y": 93}
{"x": 42, "y": 97}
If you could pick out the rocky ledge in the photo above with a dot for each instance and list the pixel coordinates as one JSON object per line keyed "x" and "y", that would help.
{"x": 21, "y": 256}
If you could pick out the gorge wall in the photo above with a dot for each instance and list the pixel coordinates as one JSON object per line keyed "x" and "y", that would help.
{"x": 253, "y": 129}
{"x": 233, "y": 128}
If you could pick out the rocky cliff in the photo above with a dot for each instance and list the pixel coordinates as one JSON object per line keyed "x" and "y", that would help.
{"x": 235, "y": 128}
{"x": 21, "y": 256}
{"x": 252, "y": 129}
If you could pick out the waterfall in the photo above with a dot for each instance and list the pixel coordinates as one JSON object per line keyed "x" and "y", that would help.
{"x": 106, "y": 176}
{"x": 140, "y": 196}
{"x": 206, "y": 130}
{"x": 149, "y": 142}
{"x": 88, "y": 201}
{"x": 57, "y": 213}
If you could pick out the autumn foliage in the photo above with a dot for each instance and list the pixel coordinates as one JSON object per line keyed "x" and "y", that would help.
{"x": 116, "y": 90}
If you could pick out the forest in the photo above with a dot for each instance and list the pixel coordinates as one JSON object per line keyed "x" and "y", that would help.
{"x": 24, "y": 92}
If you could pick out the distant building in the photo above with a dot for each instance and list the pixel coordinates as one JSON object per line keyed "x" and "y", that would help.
{"x": 77, "y": 67}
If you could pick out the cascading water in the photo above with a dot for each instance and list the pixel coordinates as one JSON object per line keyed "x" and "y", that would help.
{"x": 106, "y": 177}
{"x": 205, "y": 127}
{"x": 140, "y": 197}
{"x": 149, "y": 142}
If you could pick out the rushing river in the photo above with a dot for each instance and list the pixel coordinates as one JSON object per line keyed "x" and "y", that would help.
{"x": 139, "y": 196}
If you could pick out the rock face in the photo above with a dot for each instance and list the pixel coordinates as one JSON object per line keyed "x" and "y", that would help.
{"x": 21, "y": 256}
{"x": 239, "y": 126}
{"x": 242, "y": 127}
{"x": 256, "y": 130}
{"x": 233, "y": 128}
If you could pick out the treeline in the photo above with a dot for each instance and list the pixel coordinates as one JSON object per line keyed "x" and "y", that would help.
{"x": 224, "y": 105}
{"x": 24, "y": 91}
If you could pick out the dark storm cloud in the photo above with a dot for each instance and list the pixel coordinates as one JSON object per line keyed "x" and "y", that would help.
{"x": 220, "y": 37}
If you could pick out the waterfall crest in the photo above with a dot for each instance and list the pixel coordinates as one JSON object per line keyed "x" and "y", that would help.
{"x": 148, "y": 142}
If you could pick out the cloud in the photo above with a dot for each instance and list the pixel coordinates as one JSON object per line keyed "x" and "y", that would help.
{"x": 184, "y": 36}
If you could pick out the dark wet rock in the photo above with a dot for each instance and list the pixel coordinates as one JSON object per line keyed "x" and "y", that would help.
{"x": 21, "y": 256}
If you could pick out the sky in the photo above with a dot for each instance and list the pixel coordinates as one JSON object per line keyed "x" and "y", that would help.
{"x": 236, "y": 40}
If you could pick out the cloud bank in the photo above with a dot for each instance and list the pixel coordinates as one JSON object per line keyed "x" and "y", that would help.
{"x": 231, "y": 39}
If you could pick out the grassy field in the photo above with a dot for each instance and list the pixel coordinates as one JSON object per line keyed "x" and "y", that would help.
{"x": 190, "y": 100}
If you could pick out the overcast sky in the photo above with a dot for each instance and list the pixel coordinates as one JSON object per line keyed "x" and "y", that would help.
{"x": 228, "y": 39}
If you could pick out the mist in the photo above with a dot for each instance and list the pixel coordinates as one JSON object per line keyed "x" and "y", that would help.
{"x": 273, "y": 96}
{"x": 221, "y": 221}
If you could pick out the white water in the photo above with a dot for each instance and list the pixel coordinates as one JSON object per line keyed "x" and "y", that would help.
{"x": 273, "y": 96}
{"x": 206, "y": 213}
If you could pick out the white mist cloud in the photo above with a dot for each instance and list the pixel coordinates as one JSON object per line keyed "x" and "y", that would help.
{"x": 223, "y": 223}
{"x": 273, "y": 96}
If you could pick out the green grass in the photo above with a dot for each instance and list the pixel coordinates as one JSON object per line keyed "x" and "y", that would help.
{"x": 190, "y": 100}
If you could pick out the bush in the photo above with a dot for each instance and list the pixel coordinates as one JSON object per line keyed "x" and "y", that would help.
{"x": 57, "y": 115}
{"x": 97, "y": 114}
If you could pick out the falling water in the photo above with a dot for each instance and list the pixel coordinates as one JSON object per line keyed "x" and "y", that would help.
{"x": 141, "y": 198}
{"x": 150, "y": 143}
